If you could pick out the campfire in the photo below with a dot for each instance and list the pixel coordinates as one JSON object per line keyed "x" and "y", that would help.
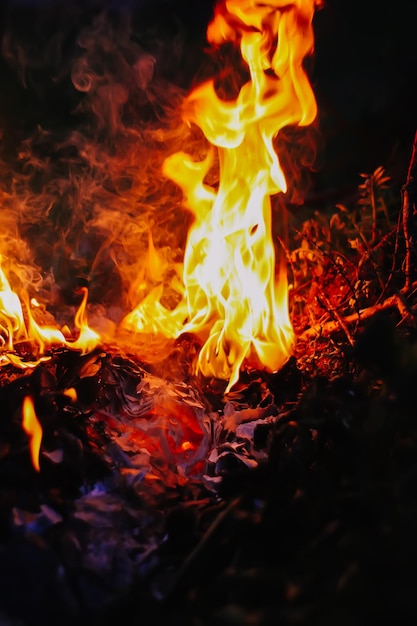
{"x": 190, "y": 373}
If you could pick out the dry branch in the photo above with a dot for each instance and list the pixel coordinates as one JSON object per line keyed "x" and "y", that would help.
{"x": 327, "y": 329}
{"x": 409, "y": 209}
{"x": 190, "y": 564}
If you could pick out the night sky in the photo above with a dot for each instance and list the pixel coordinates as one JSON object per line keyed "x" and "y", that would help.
{"x": 365, "y": 81}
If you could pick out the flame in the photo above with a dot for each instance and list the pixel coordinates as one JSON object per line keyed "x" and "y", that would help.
{"x": 33, "y": 429}
{"x": 71, "y": 393}
{"x": 11, "y": 314}
{"x": 88, "y": 339}
{"x": 233, "y": 297}
{"x": 14, "y": 329}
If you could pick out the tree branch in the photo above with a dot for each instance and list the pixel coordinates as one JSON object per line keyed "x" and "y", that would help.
{"x": 325, "y": 330}
{"x": 409, "y": 210}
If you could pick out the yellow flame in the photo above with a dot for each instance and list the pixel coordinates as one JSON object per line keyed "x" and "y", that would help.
{"x": 233, "y": 297}
{"x": 33, "y": 429}
{"x": 11, "y": 314}
{"x": 88, "y": 339}
{"x": 13, "y": 328}
{"x": 43, "y": 335}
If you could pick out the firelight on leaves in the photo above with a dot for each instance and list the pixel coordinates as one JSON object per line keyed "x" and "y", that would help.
{"x": 234, "y": 299}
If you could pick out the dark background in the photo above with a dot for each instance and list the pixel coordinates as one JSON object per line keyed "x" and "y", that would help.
{"x": 365, "y": 79}
{"x": 364, "y": 75}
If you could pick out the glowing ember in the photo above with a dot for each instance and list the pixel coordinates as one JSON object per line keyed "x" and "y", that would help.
{"x": 233, "y": 298}
{"x": 33, "y": 429}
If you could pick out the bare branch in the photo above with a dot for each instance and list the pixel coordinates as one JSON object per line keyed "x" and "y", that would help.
{"x": 324, "y": 330}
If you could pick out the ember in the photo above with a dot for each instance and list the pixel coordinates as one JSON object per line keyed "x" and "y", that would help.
{"x": 207, "y": 410}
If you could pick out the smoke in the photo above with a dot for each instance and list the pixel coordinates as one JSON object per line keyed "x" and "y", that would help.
{"x": 98, "y": 99}
{"x": 91, "y": 108}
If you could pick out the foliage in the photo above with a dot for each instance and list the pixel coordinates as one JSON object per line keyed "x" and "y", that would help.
{"x": 343, "y": 262}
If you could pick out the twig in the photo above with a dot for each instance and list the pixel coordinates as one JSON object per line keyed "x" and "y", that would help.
{"x": 324, "y": 330}
{"x": 394, "y": 232}
{"x": 328, "y": 256}
{"x": 336, "y": 317}
{"x": 408, "y": 212}
{"x": 373, "y": 208}
{"x": 188, "y": 567}
{"x": 369, "y": 250}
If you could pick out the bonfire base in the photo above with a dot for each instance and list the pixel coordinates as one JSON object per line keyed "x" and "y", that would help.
{"x": 298, "y": 510}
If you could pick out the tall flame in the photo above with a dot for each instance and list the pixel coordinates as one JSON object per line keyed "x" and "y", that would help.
{"x": 233, "y": 297}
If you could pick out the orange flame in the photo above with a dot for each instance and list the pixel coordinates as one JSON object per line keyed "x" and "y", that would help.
{"x": 233, "y": 297}
{"x": 88, "y": 339}
{"x": 14, "y": 329}
{"x": 11, "y": 314}
{"x": 71, "y": 393}
{"x": 33, "y": 429}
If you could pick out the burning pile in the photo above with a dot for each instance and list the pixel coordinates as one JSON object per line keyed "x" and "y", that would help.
{"x": 145, "y": 329}
{"x": 228, "y": 291}
{"x": 224, "y": 308}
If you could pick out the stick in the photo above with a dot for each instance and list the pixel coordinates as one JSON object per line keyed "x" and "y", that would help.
{"x": 337, "y": 318}
{"x": 188, "y": 567}
{"x": 325, "y": 330}
{"x": 408, "y": 213}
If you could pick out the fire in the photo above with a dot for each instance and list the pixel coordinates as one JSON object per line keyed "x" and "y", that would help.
{"x": 231, "y": 289}
{"x": 71, "y": 393}
{"x": 33, "y": 429}
{"x": 15, "y": 329}
{"x": 11, "y": 314}
{"x": 233, "y": 297}
{"x": 88, "y": 339}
